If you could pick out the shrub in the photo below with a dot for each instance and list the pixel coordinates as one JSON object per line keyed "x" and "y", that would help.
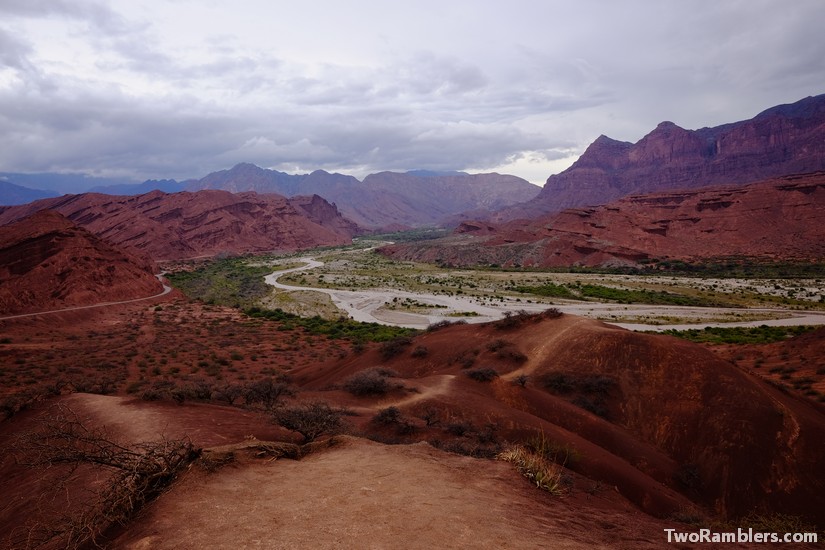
{"x": 390, "y": 415}
{"x": 311, "y": 420}
{"x": 444, "y": 324}
{"x": 483, "y": 375}
{"x": 595, "y": 406}
{"x": 521, "y": 380}
{"x": 459, "y": 428}
{"x": 552, "y": 313}
{"x": 369, "y": 382}
{"x": 596, "y": 384}
{"x": 199, "y": 389}
{"x": 419, "y": 352}
{"x": 393, "y": 347}
{"x": 498, "y": 344}
{"x": 430, "y": 416}
{"x": 229, "y": 393}
{"x": 267, "y": 392}
{"x": 558, "y": 382}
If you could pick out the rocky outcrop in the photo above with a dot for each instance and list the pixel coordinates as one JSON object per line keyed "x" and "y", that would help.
{"x": 204, "y": 223}
{"x": 779, "y": 219}
{"x": 47, "y": 262}
{"x": 787, "y": 139}
{"x": 386, "y": 199}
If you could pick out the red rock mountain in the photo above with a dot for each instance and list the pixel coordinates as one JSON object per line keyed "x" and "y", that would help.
{"x": 779, "y": 219}
{"x": 385, "y": 199}
{"x": 787, "y": 139}
{"x": 47, "y": 262}
{"x": 205, "y": 223}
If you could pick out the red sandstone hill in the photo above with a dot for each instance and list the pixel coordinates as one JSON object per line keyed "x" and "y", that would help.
{"x": 664, "y": 421}
{"x": 47, "y": 262}
{"x": 642, "y": 423}
{"x": 385, "y": 199}
{"x": 786, "y": 139}
{"x": 779, "y": 219}
{"x": 205, "y": 223}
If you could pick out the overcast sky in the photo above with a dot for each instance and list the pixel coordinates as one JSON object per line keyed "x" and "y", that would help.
{"x": 181, "y": 88}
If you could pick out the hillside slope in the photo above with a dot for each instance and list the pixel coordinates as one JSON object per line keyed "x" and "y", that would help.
{"x": 663, "y": 420}
{"x": 47, "y": 262}
{"x": 779, "y": 219}
{"x": 204, "y": 223}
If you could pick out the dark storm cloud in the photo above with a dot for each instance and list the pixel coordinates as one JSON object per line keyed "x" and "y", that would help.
{"x": 447, "y": 86}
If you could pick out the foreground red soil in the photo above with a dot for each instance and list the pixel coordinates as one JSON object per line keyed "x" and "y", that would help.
{"x": 644, "y": 426}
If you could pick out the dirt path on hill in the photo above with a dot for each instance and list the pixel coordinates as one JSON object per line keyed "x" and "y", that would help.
{"x": 360, "y": 494}
{"x": 538, "y": 355}
{"x": 441, "y": 388}
{"x": 166, "y": 290}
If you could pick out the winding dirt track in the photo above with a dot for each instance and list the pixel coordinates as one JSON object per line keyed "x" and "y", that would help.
{"x": 166, "y": 290}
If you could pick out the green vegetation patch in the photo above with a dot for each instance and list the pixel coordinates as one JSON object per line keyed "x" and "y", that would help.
{"x": 551, "y": 290}
{"x": 621, "y": 295}
{"x": 762, "y": 334}
{"x": 338, "y": 328}
{"x": 229, "y": 282}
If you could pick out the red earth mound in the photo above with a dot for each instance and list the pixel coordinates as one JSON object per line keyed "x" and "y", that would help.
{"x": 664, "y": 420}
{"x": 205, "y": 223}
{"x": 796, "y": 365}
{"x": 777, "y": 219}
{"x": 351, "y": 493}
{"x": 639, "y": 423}
{"x": 47, "y": 262}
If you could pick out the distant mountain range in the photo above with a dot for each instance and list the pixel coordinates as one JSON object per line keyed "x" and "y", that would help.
{"x": 387, "y": 200}
{"x": 783, "y": 140}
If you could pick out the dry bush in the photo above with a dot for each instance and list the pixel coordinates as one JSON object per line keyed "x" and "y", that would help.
{"x": 483, "y": 375}
{"x": 311, "y": 420}
{"x": 267, "y": 392}
{"x": 391, "y": 348}
{"x": 138, "y": 473}
{"x": 372, "y": 381}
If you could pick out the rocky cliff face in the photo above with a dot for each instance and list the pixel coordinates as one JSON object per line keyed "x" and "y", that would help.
{"x": 205, "y": 223}
{"x": 787, "y": 139}
{"x": 779, "y": 219}
{"x": 47, "y": 262}
{"x": 385, "y": 199}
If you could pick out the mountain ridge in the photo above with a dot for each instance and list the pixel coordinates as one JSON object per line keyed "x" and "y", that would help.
{"x": 48, "y": 262}
{"x": 781, "y": 140}
{"x": 203, "y": 223}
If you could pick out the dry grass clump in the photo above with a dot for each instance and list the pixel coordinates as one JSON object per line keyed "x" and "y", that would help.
{"x": 545, "y": 474}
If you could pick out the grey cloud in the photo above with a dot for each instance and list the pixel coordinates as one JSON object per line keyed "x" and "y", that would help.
{"x": 97, "y": 14}
{"x": 14, "y": 52}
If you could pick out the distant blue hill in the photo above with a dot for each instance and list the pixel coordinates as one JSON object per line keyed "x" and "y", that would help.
{"x": 11, "y": 194}
{"x": 61, "y": 184}
{"x": 435, "y": 173}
